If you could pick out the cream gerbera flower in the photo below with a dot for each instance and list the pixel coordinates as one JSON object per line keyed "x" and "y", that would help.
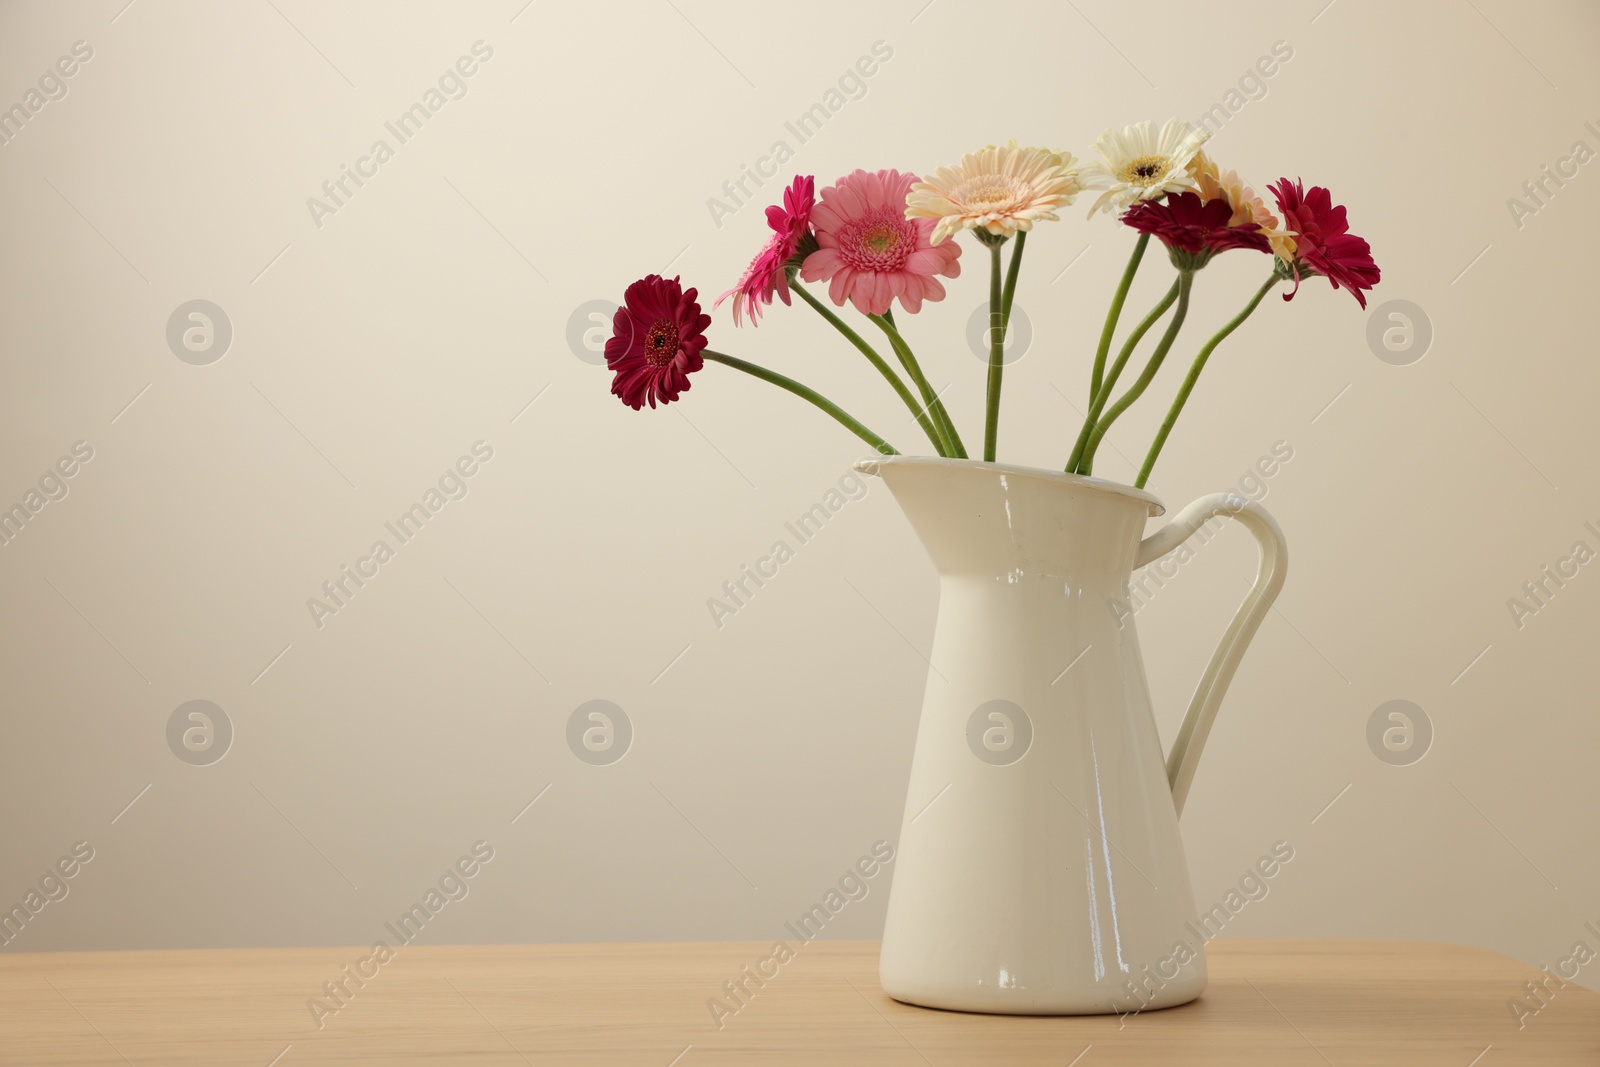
{"x": 1000, "y": 190}
{"x": 1247, "y": 205}
{"x": 1139, "y": 162}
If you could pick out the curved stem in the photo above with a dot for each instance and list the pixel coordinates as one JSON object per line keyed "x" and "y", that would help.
{"x": 931, "y": 404}
{"x": 1137, "y": 389}
{"x": 997, "y": 340}
{"x": 807, "y": 393}
{"x": 1194, "y": 375}
{"x": 877, "y": 361}
{"x": 1110, "y": 329}
{"x": 1098, "y": 402}
{"x": 997, "y": 354}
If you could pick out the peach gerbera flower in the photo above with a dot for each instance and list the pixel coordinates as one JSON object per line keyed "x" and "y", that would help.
{"x": 869, "y": 252}
{"x": 1000, "y": 190}
{"x": 1246, "y": 203}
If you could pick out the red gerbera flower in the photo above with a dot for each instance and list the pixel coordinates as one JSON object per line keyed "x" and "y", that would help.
{"x": 656, "y": 338}
{"x": 1193, "y": 230}
{"x": 1323, "y": 242}
{"x": 767, "y": 273}
{"x": 791, "y": 221}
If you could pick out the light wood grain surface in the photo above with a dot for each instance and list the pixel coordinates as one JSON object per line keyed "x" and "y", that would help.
{"x": 1283, "y": 1003}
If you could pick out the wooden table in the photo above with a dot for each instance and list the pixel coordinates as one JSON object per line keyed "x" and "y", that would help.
{"x": 1283, "y": 1003}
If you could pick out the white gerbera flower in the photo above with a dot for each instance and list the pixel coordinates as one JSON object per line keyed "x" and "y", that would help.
{"x": 999, "y": 190}
{"x": 1139, "y": 162}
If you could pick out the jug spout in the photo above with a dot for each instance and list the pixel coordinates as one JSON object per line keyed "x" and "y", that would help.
{"x": 1017, "y": 522}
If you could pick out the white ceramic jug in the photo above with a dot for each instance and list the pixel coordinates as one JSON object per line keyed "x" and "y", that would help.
{"x": 1039, "y": 869}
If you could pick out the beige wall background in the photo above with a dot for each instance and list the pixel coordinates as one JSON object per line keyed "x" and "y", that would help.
{"x": 373, "y": 347}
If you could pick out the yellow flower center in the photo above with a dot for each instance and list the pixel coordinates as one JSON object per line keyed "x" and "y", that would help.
{"x": 1145, "y": 170}
{"x": 989, "y": 191}
{"x": 880, "y": 239}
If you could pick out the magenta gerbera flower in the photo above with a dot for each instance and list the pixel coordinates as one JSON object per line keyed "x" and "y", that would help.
{"x": 1193, "y": 230}
{"x": 869, "y": 252}
{"x": 656, "y": 338}
{"x": 767, "y": 273}
{"x": 1322, "y": 239}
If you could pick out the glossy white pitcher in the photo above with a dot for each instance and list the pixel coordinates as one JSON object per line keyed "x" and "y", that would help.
{"x": 1039, "y": 868}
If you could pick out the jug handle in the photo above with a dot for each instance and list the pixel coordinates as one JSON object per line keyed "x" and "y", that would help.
{"x": 1185, "y": 755}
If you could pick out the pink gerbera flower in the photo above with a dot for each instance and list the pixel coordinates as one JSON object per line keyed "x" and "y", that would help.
{"x": 656, "y": 338}
{"x": 869, "y": 252}
{"x": 1323, "y": 242}
{"x": 767, "y": 273}
{"x": 1193, "y": 230}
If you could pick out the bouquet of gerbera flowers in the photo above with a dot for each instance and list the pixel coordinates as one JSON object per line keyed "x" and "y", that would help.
{"x": 887, "y": 237}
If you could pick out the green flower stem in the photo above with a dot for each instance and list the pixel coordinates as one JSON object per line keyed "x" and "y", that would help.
{"x": 1136, "y": 390}
{"x": 1011, "y": 277}
{"x": 930, "y": 399}
{"x": 997, "y": 354}
{"x": 805, "y": 392}
{"x": 923, "y": 420}
{"x": 1000, "y": 300}
{"x": 1194, "y": 375}
{"x": 1103, "y": 394}
{"x": 1110, "y": 329}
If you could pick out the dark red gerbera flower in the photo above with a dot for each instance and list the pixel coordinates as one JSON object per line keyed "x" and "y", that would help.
{"x": 1323, "y": 242}
{"x": 1193, "y": 230}
{"x": 656, "y": 338}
